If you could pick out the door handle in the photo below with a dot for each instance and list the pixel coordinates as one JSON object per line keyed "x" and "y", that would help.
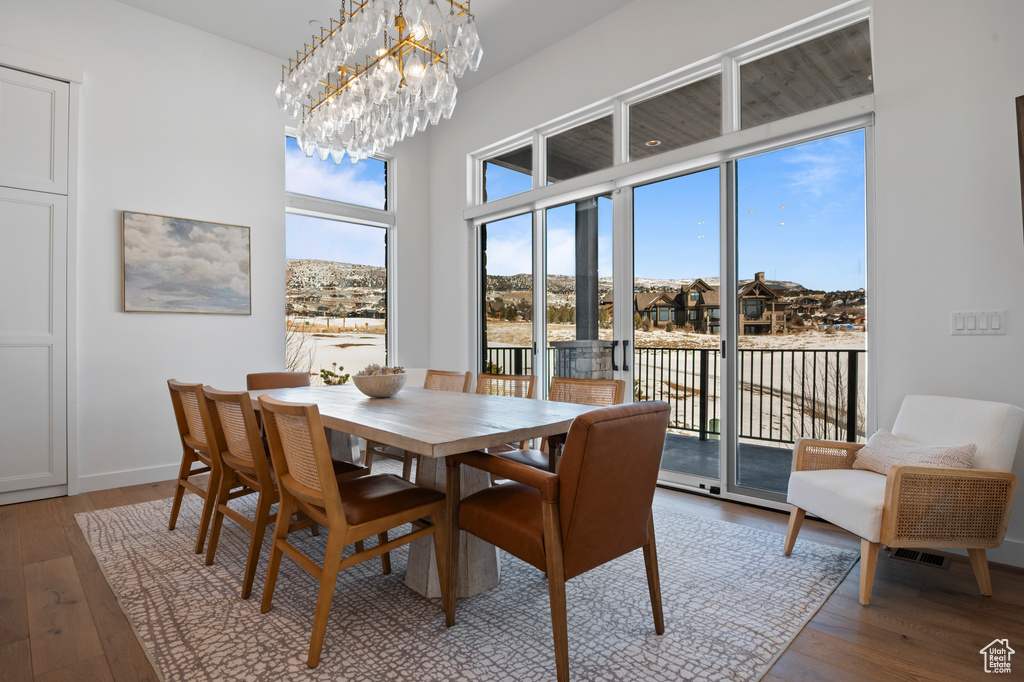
{"x": 625, "y": 356}
{"x": 615, "y": 368}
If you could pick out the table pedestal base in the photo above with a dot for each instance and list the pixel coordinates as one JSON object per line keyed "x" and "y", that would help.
{"x": 478, "y": 560}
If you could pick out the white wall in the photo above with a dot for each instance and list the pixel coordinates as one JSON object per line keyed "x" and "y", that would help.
{"x": 173, "y": 122}
{"x": 178, "y": 122}
{"x": 948, "y": 212}
{"x": 949, "y": 228}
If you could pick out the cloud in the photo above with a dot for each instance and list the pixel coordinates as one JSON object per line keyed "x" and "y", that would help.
{"x": 171, "y": 263}
{"x": 818, "y": 167}
{"x": 359, "y": 184}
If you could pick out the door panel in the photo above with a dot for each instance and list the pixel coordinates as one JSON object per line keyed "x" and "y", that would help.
{"x": 800, "y": 283}
{"x": 578, "y": 289}
{"x": 33, "y": 132}
{"x": 33, "y": 340}
{"x": 676, "y": 317}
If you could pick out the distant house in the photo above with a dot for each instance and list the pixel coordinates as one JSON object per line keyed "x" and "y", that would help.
{"x": 805, "y": 305}
{"x": 762, "y": 310}
{"x": 697, "y": 307}
{"x": 701, "y": 308}
{"x": 657, "y": 306}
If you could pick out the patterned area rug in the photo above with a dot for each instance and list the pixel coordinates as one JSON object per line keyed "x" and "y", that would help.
{"x": 732, "y": 605}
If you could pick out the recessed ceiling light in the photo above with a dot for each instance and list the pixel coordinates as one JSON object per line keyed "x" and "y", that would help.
{"x": 652, "y": 143}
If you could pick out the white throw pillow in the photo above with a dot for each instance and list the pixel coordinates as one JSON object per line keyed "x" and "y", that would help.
{"x": 884, "y": 450}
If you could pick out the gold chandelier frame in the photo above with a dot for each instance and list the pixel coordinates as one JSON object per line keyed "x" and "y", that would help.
{"x": 400, "y": 48}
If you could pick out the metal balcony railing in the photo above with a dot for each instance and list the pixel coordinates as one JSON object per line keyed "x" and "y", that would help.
{"x": 783, "y": 394}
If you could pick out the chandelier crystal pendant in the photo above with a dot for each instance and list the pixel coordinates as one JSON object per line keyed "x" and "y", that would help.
{"x": 404, "y": 84}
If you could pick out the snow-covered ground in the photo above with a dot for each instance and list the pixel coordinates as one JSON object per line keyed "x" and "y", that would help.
{"x": 501, "y": 333}
{"x": 357, "y": 343}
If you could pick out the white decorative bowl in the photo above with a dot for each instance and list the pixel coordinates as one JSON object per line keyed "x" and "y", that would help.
{"x": 380, "y": 385}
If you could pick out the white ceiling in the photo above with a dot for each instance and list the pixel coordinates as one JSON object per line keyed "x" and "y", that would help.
{"x": 510, "y": 30}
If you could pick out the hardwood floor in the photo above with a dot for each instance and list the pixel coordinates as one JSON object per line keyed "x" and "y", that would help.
{"x": 60, "y": 621}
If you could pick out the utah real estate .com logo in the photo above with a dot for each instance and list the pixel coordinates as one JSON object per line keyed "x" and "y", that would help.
{"x": 997, "y": 656}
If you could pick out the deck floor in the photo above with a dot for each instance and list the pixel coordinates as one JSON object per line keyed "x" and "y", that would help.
{"x": 759, "y": 466}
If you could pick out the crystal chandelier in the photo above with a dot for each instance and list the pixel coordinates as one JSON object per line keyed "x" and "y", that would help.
{"x": 405, "y": 83}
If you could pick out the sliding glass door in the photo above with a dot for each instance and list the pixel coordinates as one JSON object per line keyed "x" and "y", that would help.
{"x": 578, "y": 289}
{"x": 506, "y": 256}
{"x": 801, "y": 297}
{"x": 676, "y": 318}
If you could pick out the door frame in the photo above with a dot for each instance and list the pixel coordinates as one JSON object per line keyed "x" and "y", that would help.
{"x": 72, "y": 75}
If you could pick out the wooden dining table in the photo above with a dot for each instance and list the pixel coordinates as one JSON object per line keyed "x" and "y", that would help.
{"x": 435, "y": 425}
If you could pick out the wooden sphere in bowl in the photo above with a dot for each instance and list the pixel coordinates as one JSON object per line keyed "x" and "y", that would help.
{"x": 380, "y": 385}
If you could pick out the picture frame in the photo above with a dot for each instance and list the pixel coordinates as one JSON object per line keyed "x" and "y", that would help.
{"x": 184, "y": 266}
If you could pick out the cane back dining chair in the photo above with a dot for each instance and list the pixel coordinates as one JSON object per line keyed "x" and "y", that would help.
{"x": 195, "y": 456}
{"x": 510, "y": 385}
{"x": 916, "y": 506}
{"x": 597, "y": 392}
{"x": 595, "y": 509}
{"x": 435, "y": 380}
{"x": 237, "y": 446}
{"x": 352, "y": 510}
{"x": 261, "y": 381}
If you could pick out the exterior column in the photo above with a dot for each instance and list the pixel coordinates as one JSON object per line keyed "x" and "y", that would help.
{"x": 586, "y": 269}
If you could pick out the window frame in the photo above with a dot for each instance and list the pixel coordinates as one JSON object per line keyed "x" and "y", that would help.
{"x": 328, "y": 209}
{"x": 722, "y": 152}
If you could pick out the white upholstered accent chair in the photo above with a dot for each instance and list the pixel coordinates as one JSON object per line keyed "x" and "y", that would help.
{"x": 915, "y": 506}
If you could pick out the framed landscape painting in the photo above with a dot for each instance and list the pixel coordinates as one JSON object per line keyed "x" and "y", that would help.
{"x": 175, "y": 265}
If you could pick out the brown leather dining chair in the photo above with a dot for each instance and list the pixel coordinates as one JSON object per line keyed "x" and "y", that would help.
{"x": 435, "y": 380}
{"x": 195, "y": 456}
{"x": 352, "y": 510}
{"x": 237, "y": 446}
{"x": 595, "y": 509}
{"x": 597, "y": 392}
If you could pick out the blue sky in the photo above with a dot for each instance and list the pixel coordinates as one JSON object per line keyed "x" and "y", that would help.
{"x": 361, "y": 183}
{"x": 333, "y": 240}
{"x": 801, "y": 218}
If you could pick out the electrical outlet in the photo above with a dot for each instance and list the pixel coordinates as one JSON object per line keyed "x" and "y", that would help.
{"x": 978, "y": 323}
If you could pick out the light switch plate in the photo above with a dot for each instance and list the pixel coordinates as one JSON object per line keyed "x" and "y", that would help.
{"x": 978, "y": 323}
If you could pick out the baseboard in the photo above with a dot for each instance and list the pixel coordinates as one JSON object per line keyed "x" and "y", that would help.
{"x": 119, "y": 479}
{"x": 1011, "y": 553}
{"x": 16, "y": 496}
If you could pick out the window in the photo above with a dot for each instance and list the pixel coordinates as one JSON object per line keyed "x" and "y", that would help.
{"x": 362, "y": 184}
{"x": 580, "y": 150}
{"x": 716, "y": 198}
{"x": 676, "y": 118}
{"x": 508, "y": 174}
{"x": 336, "y": 265}
{"x": 833, "y": 68}
{"x": 507, "y": 258}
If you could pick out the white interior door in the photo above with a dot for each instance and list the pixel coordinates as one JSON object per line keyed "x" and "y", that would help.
{"x": 33, "y": 286}
{"x": 33, "y": 340}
